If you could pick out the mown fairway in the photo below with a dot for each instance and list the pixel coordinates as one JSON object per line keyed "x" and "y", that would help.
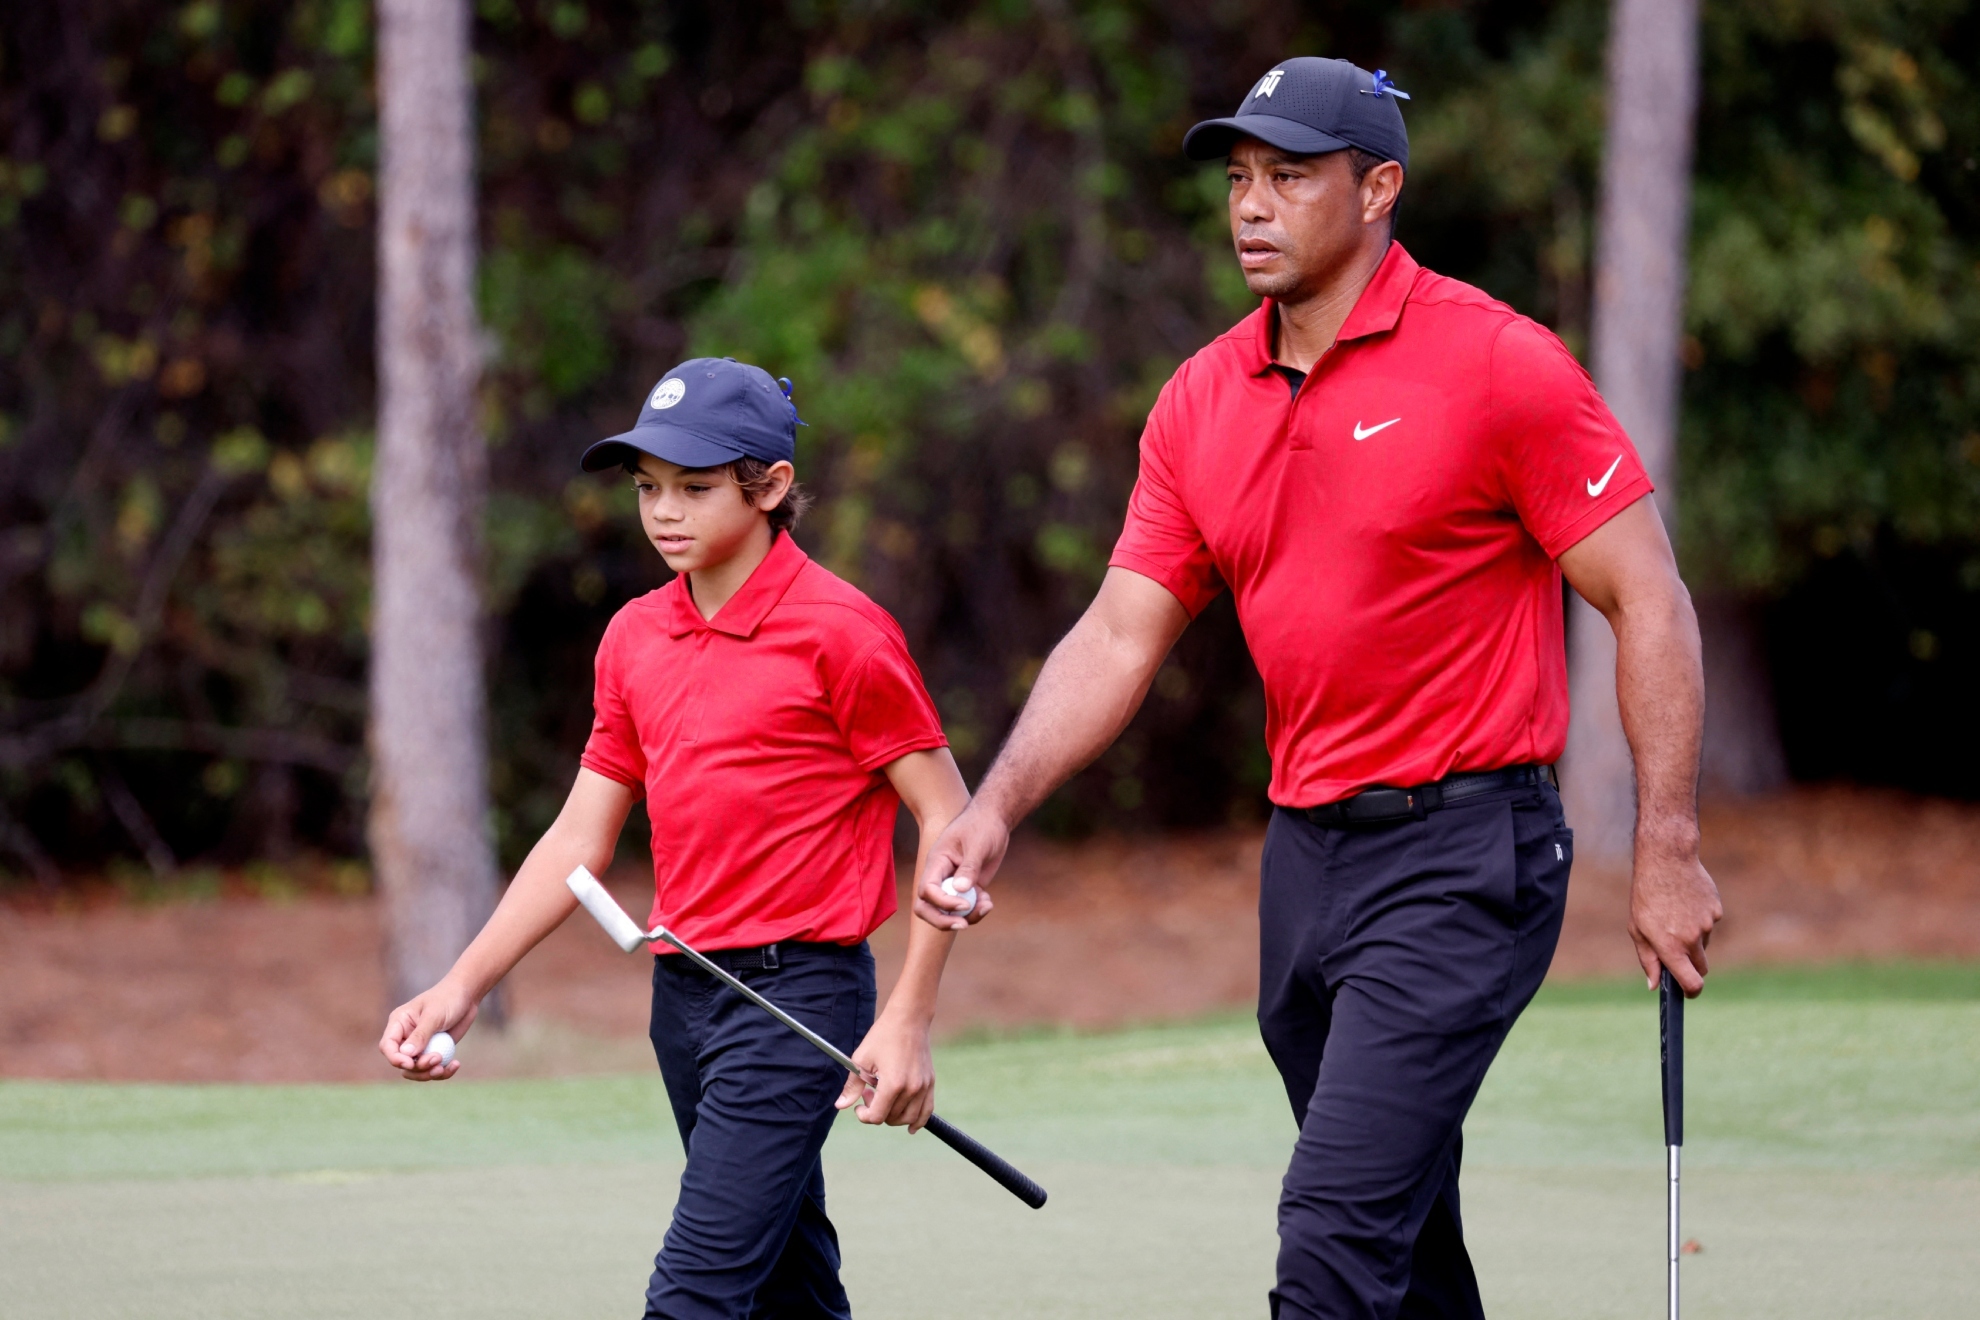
{"x": 1833, "y": 1170}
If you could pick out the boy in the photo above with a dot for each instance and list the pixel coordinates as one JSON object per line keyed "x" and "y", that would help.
{"x": 773, "y": 719}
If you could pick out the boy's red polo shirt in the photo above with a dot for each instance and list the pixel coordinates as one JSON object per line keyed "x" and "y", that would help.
{"x": 758, "y": 737}
{"x": 1390, "y": 533}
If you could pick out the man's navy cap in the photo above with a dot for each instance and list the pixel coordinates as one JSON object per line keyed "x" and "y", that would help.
{"x": 1311, "y": 105}
{"x": 707, "y": 412}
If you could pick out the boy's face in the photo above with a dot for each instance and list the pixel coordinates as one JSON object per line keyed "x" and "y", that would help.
{"x": 698, "y": 518}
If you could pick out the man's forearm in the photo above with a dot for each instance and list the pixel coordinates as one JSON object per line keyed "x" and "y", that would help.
{"x": 1088, "y": 690}
{"x": 1074, "y": 713}
{"x": 1625, "y": 569}
{"x": 1091, "y": 686}
{"x": 1660, "y": 688}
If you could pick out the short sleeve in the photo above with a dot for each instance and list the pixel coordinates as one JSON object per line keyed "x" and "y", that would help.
{"x": 1160, "y": 539}
{"x": 882, "y": 707}
{"x": 613, "y": 749}
{"x": 1566, "y": 464}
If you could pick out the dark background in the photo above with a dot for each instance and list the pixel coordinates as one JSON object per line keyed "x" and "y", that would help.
{"x": 966, "y": 232}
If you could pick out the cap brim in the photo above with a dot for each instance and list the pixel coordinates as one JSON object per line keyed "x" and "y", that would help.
{"x": 1213, "y": 137}
{"x": 669, "y": 443}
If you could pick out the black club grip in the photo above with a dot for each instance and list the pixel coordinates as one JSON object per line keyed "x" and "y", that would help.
{"x": 1670, "y": 1024}
{"x": 987, "y": 1160}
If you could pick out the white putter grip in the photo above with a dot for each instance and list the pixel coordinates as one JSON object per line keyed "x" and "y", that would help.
{"x": 608, "y": 913}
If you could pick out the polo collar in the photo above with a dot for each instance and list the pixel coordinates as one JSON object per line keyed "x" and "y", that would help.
{"x": 1375, "y": 312}
{"x": 745, "y": 611}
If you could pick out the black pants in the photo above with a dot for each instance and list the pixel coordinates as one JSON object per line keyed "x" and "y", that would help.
{"x": 1393, "y": 961}
{"x": 754, "y": 1104}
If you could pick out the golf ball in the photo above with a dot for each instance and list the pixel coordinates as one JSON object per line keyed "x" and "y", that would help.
{"x": 442, "y": 1044}
{"x": 949, "y": 888}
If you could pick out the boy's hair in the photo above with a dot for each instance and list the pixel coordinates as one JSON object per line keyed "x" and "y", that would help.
{"x": 752, "y": 477}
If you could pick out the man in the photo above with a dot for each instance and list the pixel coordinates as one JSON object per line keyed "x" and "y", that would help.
{"x": 1392, "y": 472}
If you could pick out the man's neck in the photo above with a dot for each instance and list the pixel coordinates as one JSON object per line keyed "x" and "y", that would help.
{"x": 1303, "y": 331}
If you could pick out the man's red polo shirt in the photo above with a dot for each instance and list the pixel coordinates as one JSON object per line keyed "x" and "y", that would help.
{"x": 758, "y": 737}
{"x": 1390, "y": 533}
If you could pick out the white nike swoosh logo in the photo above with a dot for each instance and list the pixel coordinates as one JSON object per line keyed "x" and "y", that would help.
{"x": 1360, "y": 434}
{"x": 1597, "y": 487}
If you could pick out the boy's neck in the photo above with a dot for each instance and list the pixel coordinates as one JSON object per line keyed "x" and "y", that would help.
{"x": 711, "y": 587}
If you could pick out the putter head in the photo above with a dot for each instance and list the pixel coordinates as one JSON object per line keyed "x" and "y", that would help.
{"x": 625, "y": 932}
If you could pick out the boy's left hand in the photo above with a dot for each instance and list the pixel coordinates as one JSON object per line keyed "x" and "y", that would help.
{"x": 896, "y": 1054}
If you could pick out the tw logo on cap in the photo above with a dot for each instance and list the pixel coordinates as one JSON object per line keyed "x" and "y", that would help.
{"x": 668, "y": 393}
{"x": 1268, "y": 84}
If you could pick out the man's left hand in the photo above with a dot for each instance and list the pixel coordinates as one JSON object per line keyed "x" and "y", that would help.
{"x": 1673, "y": 906}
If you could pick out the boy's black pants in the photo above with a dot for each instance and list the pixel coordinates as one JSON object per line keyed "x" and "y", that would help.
{"x": 754, "y": 1104}
{"x": 1393, "y": 961}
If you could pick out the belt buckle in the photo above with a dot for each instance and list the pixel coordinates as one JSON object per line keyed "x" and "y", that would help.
{"x": 1377, "y": 806}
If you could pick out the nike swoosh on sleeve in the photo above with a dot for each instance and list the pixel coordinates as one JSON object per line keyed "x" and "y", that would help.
{"x": 1595, "y": 488}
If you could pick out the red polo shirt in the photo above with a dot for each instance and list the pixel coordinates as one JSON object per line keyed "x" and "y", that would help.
{"x": 758, "y": 737}
{"x": 1390, "y": 532}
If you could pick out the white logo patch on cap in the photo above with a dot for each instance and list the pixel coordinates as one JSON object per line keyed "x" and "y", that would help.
{"x": 668, "y": 393}
{"x": 1268, "y": 84}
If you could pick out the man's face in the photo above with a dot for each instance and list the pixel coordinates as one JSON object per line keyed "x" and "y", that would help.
{"x": 1298, "y": 219}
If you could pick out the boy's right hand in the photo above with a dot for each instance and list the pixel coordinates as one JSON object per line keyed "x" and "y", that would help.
{"x": 412, "y": 1024}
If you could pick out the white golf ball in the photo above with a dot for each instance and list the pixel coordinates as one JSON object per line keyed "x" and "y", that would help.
{"x": 442, "y": 1044}
{"x": 949, "y": 888}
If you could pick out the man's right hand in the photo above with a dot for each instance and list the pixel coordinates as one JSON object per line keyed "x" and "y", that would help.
{"x": 1089, "y": 689}
{"x": 971, "y": 849}
{"x": 443, "y": 1008}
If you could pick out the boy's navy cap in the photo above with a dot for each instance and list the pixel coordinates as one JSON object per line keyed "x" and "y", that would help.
{"x": 707, "y": 412}
{"x": 1311, "y": 105}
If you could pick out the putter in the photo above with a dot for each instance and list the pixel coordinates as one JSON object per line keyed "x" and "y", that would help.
{"x": 625, "y": 933}
{"x": 1670, "y": 1033}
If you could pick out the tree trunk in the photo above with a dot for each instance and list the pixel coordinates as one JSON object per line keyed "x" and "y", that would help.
{"x": 1637, "y": 319}
{"x": 1743, "y": 752}
{"x": 429, "y": 803}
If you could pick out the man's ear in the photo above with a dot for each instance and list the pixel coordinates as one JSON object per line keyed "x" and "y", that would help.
{"x": 1380, "y": 188}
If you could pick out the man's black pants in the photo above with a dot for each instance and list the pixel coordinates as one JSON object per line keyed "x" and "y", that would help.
{"x": 1393, "y": 960}
{"x": 753, "y": 1101}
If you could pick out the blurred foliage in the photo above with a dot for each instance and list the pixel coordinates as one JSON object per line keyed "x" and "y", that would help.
{"x": 964, "y": 230}
{"x": 1836, "y": 286}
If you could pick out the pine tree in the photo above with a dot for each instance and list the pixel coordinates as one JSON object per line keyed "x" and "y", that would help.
{"x": 429, "y": 804}
{"x": 1635, "y": 327}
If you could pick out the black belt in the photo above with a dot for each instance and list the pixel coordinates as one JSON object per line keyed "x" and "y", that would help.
{"x": 1382, "y": 806}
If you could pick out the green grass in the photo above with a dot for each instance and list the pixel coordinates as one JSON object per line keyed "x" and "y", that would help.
{"x": 1833, "y": 1169}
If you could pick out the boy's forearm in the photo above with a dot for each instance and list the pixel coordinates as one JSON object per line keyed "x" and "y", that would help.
{"x": 932, "y": 789}
{"x": 914, "y": 995}
{"x": 537, "y": 901}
